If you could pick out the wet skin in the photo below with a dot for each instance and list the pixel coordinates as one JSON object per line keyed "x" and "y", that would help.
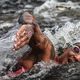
{"x": 42, "y": 42}
{"x": 69, "y": 55}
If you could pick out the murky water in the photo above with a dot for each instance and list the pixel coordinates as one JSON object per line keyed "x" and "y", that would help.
{"x": 58, "y": 20}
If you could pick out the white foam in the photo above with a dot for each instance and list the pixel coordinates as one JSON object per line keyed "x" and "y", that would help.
{"x": 6, "y": 24}
{"x": 68, "y": 33}
{"x": 52, "y": 8}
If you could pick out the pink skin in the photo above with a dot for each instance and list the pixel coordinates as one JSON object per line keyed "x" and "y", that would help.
{"x": 23, "y": 36}
{"x": 68, "y": 56}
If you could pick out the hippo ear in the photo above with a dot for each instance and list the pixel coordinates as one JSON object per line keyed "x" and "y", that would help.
{"x": 21, "y": 20}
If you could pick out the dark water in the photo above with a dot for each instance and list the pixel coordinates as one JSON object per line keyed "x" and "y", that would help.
{"x": 65, "y": 72}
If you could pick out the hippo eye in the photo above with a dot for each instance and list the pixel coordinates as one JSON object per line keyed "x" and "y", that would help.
{"x": 76, "y": 49}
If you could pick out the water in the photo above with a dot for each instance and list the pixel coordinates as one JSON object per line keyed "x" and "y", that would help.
{"x": 60, "y": 28}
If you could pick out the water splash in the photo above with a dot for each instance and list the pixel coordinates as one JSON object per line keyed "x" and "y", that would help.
{"x": 68, "y": 33}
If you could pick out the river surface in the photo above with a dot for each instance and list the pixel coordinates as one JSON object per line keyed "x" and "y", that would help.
{"x": 60, "y": 21}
